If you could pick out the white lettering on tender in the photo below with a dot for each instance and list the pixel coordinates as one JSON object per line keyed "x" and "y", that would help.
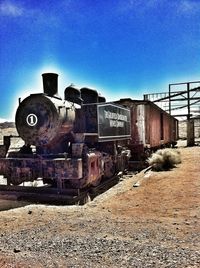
{"x": 116, "y": 119}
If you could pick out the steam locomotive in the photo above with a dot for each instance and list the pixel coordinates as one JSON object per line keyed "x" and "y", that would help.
{"x": 80, "y": 140}
{"x": 70, "y": 143}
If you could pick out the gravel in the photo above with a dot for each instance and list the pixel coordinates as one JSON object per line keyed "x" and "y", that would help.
{"x": 107, "y": 247}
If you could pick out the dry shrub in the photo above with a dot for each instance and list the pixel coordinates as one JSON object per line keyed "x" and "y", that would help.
{"x": 164, "y": 159}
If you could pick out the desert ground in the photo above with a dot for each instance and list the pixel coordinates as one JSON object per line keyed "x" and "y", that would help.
{"x": 151, "y": 219}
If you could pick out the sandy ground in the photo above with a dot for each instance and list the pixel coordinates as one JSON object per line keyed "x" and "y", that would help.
{"x": 156, "y": 224}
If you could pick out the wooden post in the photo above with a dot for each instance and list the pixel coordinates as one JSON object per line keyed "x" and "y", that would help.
{"x": 190, "y": 132}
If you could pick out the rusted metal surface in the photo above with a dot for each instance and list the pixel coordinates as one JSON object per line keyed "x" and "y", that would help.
{"x": 64, "y": 172}
{"x": 161, "y": 126}
{"x": 94, "y": 168}
{"x": 18, "y": 170}
{"x": 153, "y": 129}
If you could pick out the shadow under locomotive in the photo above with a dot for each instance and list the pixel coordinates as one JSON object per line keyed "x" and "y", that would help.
{"x": 74, "y": 144}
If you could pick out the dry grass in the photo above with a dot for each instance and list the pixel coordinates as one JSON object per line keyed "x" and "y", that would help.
{"x": 164, "y": 159}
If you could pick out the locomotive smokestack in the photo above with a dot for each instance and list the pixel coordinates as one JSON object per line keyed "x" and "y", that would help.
{"x": 50, "y": 83}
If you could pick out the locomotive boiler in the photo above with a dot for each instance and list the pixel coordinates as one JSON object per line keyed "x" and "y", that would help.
{"x": 43, "y": 119}
{"x": 73, "y": 142}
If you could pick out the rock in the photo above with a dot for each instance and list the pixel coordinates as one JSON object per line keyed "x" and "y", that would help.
{"x": 16, "y": 250}
{"x": 137, "y": 184}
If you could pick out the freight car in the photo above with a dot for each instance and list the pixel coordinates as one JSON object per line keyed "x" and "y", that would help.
{"x": 151, "y": 128}
{"x": 70, "y": 143}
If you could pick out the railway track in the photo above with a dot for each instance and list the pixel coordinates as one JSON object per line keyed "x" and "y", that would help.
{"x": 49, "y": 195}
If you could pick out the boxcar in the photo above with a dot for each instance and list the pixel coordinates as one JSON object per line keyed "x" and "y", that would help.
{"x": 151, "y": 127}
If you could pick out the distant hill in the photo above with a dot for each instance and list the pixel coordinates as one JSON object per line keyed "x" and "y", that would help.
{"x": 7, "y": 125}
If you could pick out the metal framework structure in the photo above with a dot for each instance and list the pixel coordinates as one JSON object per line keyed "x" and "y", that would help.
{"x": 181, "y": 100}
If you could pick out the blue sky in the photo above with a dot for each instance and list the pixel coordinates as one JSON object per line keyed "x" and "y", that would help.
{"x": 123, "y": 48}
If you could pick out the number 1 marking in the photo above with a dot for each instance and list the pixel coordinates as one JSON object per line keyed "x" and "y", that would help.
{"x": 31, "y": 120}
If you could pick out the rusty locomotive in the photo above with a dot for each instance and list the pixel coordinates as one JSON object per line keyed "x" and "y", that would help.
{"x": 78, "y": 141}
{"x": 70, "y": 143}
